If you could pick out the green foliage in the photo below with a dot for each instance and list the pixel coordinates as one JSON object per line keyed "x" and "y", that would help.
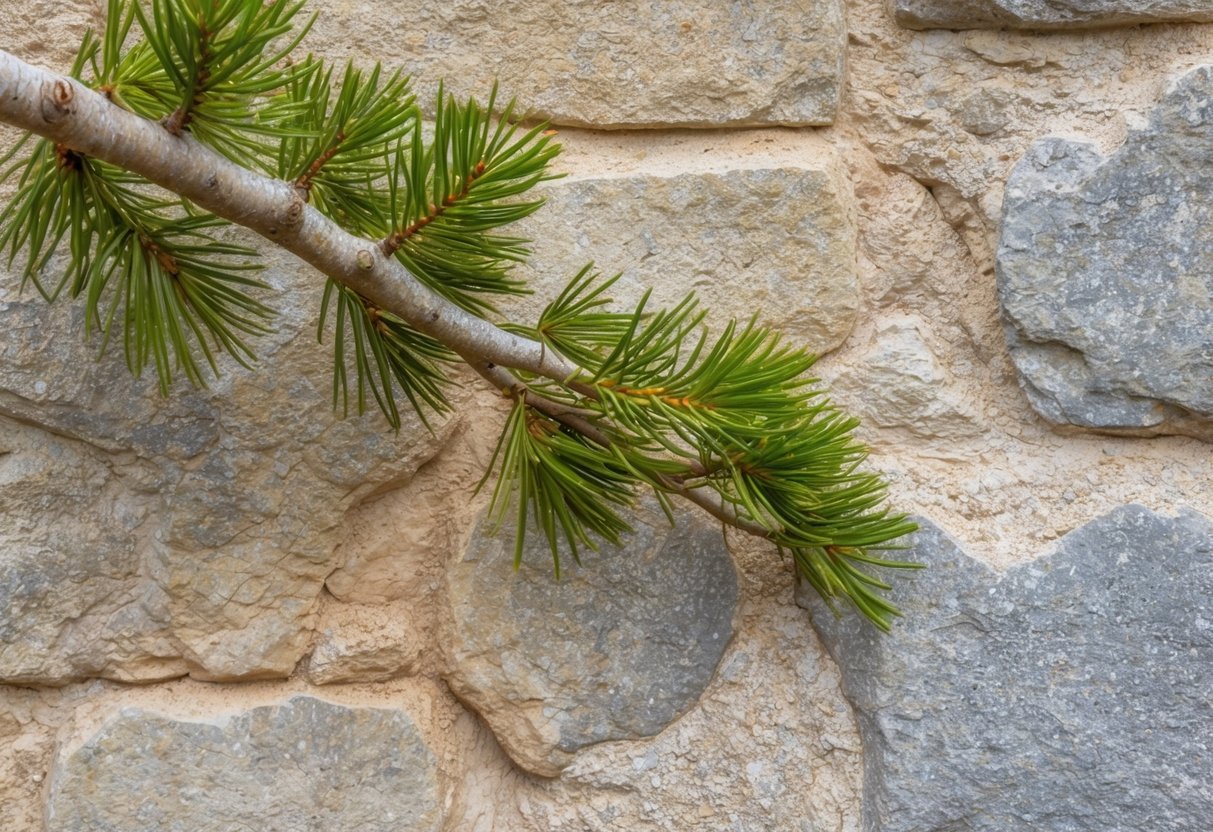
{"x": 221, "y": 61}
{"x": 748, "y": 421}
{"x": 384, "y": 349}
{"x": 567, "y": 482}
{"x": 450, "y": 193}
{"x": 733, "y": 421}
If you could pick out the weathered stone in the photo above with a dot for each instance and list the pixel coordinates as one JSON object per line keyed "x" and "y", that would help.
{"x": 898, "y": 382}
{"x": 360, "y": 643}
{"x": 616, "y": 649}
{"x": 71, "y": 602}
{"x": 49, "y": 30}
{"x": 1105, "y": 270}
{"x": 303, "y": 765}
{"x": 777, "y": 242}
{"x": 771, "y": 745}
{"x": 1070, "y": 692}
{"x": 1046, "y": 14}
{"x": 692, "y": 63}
{"x": 194, "y": 532}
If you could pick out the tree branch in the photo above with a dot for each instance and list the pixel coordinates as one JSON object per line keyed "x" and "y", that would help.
{"x": 68, "y": 113}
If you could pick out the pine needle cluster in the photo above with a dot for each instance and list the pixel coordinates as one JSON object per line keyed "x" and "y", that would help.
{"x": 651, "y": 400}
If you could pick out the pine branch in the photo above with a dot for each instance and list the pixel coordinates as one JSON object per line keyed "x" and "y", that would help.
{"x": 66, "y": 112}
{"x": 405, "y": 232}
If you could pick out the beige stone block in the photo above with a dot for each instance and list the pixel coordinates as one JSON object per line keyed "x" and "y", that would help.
{"x": 776, "y": 241}
{"x": 636, "y": 63}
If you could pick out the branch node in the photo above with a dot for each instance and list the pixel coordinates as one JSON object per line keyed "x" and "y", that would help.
{"x": 365, "y": 260}
{"x": 293, "y": 215}
{"x": 57, "y": 98}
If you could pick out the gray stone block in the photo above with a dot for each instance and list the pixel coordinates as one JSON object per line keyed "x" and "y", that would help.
{"x": 194, "y": 533}
{"x": 305, "y": 765}
{"x": 616, "y": 649}
{"x": 1046, "y": 14}
{"x": 1070, "y": 693}
{"x": 1105, "y": 273}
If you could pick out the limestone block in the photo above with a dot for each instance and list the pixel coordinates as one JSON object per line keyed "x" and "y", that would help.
{"x": 616, "y": 649}
{"x": 774, "y": 241}
{"x": 49, "y": 31}
{"x": 899, "y": 382}
{"x": 1105, "y": 273}
{"x": 690, "y": 63}
{"x": 1046, "y": 14}
{"x": 364, "y": 643}
{"x": 191, "y": 533}
{"x": 1070, "y": 692}
{"x": 70, "y": 597}
{"x": 771, "y": 745}
{"x": 305, "y": 764}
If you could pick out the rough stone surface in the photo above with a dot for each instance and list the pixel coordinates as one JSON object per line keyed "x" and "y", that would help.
{"x": 776, "y": 241}
{"x": 616, "y": 649}
{"x": 1046, "y": 14}
{"x": 357, "y": 643}
{"x": 1068, "y": 693}
{"x": 898, "y": 382}
{"x": 770, "y": 746}
{"x": 196, "y": 531}
{"x": 691, "y": 63}
{"x": 1105, "y": 271}
{"x": 305, "y": 765}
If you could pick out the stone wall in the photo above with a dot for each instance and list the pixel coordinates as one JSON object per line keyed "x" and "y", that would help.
{"x": 231, "y": 609}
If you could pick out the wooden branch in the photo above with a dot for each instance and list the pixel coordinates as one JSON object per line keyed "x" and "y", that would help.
{"x": 68, "y": 113}
{"x": 82, "y": 121}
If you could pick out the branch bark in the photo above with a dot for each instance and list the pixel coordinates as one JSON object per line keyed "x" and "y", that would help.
{"x": 83, "y": 121}
{"x": 68, "y": 113}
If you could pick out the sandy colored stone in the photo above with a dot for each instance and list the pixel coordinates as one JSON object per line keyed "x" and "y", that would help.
{"x": 305, "y": 764}
{"x": 778, "y": 242}
{"x": 1046, "y": 14}
{"x": 898, "y": 382}
{"x": 616, "y": 649}
{"x": 196, "y": 531}
{"x": 363, "y": 643}
{"x": 688, "y": 63}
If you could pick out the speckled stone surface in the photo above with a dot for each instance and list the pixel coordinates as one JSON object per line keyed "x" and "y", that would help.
{"x": 1069, "y": 693}
{"x": 776, "y": 241}
{"x": 1105, "y": 273}
{"x": 195, "y": 532}
{"x": 616, "y": 649}
{"x": 305, "y": 765}
{"x": 1046, "y": 14}
{"x": 654, "y": 63}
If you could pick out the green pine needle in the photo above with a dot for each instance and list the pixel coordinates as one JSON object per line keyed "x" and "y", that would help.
{"x": 384, "y": 353}
{"x": 570, "y": 486}
{"x": 449, "y": 194}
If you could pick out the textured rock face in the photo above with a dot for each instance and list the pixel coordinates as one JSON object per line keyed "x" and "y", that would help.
{"x": 1068, "y": 693}
{"x": 683, "y": 63}
{"x": 1105, "y": 270}
{"x": 770, "y": 746}
{"x": 615, "y": 650}
{"x": 1045, "y": 14}
{"x": 194, "y": 533}
{"x": 303, "y": 765}
{"x": 774, "y": 241}
{"x": 898, "y": 382}
{"x": 364, "y": 644}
